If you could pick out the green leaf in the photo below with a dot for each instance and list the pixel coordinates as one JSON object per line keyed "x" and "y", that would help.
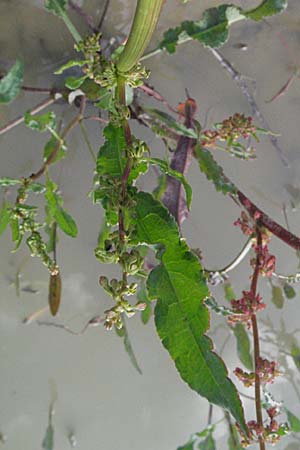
{"x": 74, "y": 82}
{"x": 277, "y": 297}
{"x": 57, "y": 7}
{"x": 106, "y": 100}
{"x": 188, "y": 446}
{"x": 212, "y": 30}
{"x": 143, "y": 298}
{"x": 243, "y": 345}
{"x": 4, "y": 217}
{"x": 294, "y": 421}
{"x": 11, "y": 83}
{"x": 54, "y": 202}
{"x": 69, "y": 64}
{"x": 171, "y": 123}
{"x": 181, "y": 318}
{"x": 7, "y": 181}
{"x": 110, "y": 159}
{"x": 295, "y": 352}
{"x": 15, "y": 231}
{"x": 266, "y": 8}
{"x": 123, "y": 332}
{"x": 208, "y": 443}
{"x": 213, "y": 171}
{"x": 37, "y": 188}
{"x": 51, "y": 146}
{"x": 164, "y": 166}
{"x": 42, "y": 122}
{"x": 289, "y": 291}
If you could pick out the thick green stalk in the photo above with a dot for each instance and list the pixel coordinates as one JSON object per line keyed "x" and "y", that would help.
{"x": 144, "y": 23}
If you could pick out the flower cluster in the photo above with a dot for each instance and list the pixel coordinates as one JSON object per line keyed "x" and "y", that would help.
{"x": 245, "y": 307}
{"x": 266, "y": 370}
{"x": 245, "y": 225}
{"x": 266, "y": 261}
{"x": 230, "y": 131}
{"x": 247, "y": 378}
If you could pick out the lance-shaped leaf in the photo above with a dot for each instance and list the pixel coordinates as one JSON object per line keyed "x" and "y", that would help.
{"x": 164, "y": 166}
{"x": 5, "y": 213}
{"x": 11, "y": 83}
{"x": 188, "y": 446}
{"x": 171, "y": 123}
{"x": 111, "y": 160}
{"x": 123, "y": 333}
{"x": 212, "y": 30}
{"x": 54, "y": 203}
{"x": 295, "y": 352}
{"x": 213, "y": 171}
{"x": 181, "y": 318}
{"x": 243, "y": 346}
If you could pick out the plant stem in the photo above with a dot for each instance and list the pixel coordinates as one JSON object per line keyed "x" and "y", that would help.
{"x": 39, "y": 107}
{"x": 144, "y": 23}
{"x": 259, "y": 416}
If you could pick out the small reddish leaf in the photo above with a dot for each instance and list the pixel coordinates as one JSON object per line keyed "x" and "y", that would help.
{"x": 54, "y": 293}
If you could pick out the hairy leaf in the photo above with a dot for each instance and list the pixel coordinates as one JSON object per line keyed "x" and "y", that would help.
{"x": 181, "y": 317}
{"x": 123, "y": 332}
{"x": 171, "y": 123}
{"x": 266, "y": 8}
{"x": 54, "y": 202}
{"x": 213, "y": 171}
{"x": 42, "y": 122}
{"x": 294, "y": 421}
{"x": 4, "y": 217}
{"x": 212, "y": 30}
{"x": 111, "y": 160}
{"x": 277, "y": 297}
{"x": 164, "y": 166}
{"x": 54, "y": 295}
{"x": 11, "y": 83}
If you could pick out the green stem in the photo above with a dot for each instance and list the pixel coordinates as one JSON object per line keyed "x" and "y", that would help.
{"x": 76, "y": 36}
{"x": 144, "y": 23}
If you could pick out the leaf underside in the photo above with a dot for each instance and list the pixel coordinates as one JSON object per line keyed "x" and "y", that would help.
{"x": 181, "y": 317}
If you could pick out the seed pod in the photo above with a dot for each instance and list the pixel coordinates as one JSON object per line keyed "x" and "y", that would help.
{"x": 54, "y": 295}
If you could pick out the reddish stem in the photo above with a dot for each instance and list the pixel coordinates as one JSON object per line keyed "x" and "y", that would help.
{"x": 259, "y": 417}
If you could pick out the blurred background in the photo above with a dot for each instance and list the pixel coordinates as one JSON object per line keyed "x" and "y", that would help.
{"x": 99, "y": 399}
